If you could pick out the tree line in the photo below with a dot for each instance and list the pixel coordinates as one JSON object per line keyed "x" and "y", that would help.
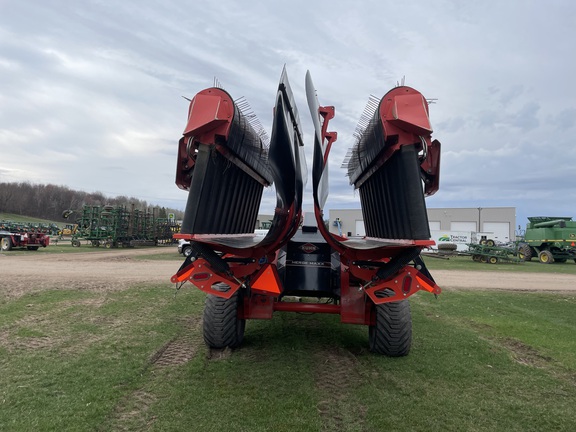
{"x": 48, "y": 201}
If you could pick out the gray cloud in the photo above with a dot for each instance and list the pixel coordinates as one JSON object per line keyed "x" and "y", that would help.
{"x": 90, "y": 92}
{"x": 565, "y": 119}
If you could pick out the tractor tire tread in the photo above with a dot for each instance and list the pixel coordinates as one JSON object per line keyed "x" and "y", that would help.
{"x": 221, "y": 322}
{"x": 392, "y": 335}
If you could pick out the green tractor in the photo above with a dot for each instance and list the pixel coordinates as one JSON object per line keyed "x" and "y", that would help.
{"x": 550, "y": 239}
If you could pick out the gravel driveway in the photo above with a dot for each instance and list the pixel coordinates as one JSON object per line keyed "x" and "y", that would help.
{"x": 117, "y": 269}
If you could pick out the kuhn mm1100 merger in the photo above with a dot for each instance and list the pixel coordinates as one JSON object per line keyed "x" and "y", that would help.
{"x": 225, "y": 161}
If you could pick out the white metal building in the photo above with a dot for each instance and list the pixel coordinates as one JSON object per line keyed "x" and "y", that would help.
{"x": 498, "y": 222}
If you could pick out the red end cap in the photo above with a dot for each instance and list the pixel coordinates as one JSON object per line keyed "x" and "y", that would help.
{"x": 210, "y": 113}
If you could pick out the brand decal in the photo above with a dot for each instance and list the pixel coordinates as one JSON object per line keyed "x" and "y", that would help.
{"x": 309, "y": 248}
{"x": 322, "y": 264}
{"x": 454, "y": 238}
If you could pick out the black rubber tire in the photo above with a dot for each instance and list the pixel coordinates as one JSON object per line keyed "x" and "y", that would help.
{"x": 6, "y": 244}
{"x": 187, "y": 251}
{"x": 222, "y": 327}
{"x": 447, "y": 247}
{"x": 75, "y": 243}
{"x": 490, "y": 242}
{"x": 493, "y": 260}
{"x": 560, "y": 260}
{"x": 391, "y": 335}
{"x": 525, "y": 252}
{"x": 546, "y": 257}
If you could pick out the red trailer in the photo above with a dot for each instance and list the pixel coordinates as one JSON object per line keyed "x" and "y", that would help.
{"x": 29, "y": 239}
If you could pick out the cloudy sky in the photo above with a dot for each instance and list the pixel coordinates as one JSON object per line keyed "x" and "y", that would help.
{"x": 91, "y": 91}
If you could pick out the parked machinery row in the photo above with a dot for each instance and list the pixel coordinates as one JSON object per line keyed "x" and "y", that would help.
{"x": 549, "y": 239}
{"x": 22, "y": 227}
{"x": 113, "y": 226}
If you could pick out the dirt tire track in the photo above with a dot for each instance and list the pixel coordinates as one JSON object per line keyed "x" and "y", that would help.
{"x": 182, "y": 349}
{"x": 131, "y": 412}
{"x": 525, "y": 354}
{"x": 215, "y": 354}
{"x": 335, "y": 373}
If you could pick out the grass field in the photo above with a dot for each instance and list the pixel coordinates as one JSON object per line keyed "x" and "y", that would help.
{"x": 19, "y": 218}
{"x": 64, "y": 246}
{"x": 135, "y": 360}
{"x": 465, "y": 263}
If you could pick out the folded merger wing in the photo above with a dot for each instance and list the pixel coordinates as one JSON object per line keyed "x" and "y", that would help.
{"x": 225, "y": 164}
{"x": 393, "y": 164}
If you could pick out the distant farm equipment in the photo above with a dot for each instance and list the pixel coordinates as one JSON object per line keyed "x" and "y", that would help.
{"x": 18, "y": 226}
{"x": 31, "y": 236}
{"x": 114, "y": 226}
{"x": 550, "y": 239}
{"x": 68, "y": 230}
{"x": 491, "y": 254}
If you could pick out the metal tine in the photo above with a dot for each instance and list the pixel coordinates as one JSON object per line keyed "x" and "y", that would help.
{"x": 252, "y": 119}
{"x": 347, "y": 158}
{"x": 367, "y": 115}
{"x": 350, "y": 162}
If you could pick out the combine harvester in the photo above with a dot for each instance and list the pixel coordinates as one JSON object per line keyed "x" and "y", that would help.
{"x": 550, "y": 239}
{"x": 224, "y": 163}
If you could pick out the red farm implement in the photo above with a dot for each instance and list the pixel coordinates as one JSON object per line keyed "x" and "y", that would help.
{"x": 224, "y": 163}
{"x": 31, "y": 239}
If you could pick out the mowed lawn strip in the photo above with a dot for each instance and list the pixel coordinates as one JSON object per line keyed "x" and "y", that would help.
{"x": 465, "y": 263}
{"x": 64, "y": 246}
{"x": 135, "y": 360}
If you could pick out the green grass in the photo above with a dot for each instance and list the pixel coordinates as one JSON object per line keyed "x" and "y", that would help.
{"x": 465, "y": 263}
{"x": 55, "y": 247}
{"x": 19, "y": 218}
{"x": 480, "y": 361}
{"x": 65, "y": 247}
